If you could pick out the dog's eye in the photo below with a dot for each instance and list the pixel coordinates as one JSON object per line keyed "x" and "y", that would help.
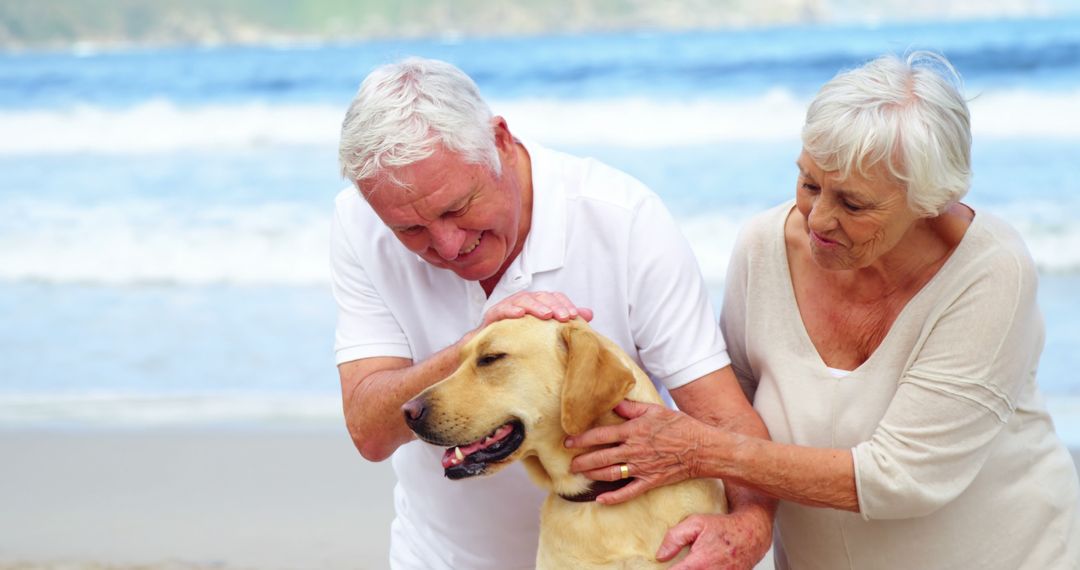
{"x": 489, "y": 358}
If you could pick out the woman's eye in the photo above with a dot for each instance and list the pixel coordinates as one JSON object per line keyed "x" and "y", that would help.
{"x": 810, "y": 187}
{"x": 852, "y": 207}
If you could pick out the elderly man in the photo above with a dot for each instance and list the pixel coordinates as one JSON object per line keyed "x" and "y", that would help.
{"x": 488, "y": 224}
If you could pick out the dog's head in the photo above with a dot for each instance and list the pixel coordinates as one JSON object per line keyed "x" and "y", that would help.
{"x": 523, "y": 384}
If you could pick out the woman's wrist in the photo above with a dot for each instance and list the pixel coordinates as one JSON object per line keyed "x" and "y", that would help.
{"x": 716, "y": 457}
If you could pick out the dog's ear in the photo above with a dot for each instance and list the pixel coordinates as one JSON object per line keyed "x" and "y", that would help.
{"x": 595, "y": 379}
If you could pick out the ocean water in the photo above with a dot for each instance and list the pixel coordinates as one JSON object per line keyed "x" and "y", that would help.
{"x": 164, "y": 214}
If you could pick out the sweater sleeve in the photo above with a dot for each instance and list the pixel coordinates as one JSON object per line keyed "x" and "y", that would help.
{"x": 976, "y": 356}
{"x": 733, "y": 314}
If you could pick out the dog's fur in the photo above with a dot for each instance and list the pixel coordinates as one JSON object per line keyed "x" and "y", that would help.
{"x": 550, "y": 379}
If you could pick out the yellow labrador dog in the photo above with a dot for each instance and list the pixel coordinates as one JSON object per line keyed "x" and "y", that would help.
{"x": 522, "y": 386}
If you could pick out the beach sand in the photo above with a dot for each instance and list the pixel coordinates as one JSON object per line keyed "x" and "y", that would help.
{"x": 192, "y": 499}
{"x": 195, "y": 499}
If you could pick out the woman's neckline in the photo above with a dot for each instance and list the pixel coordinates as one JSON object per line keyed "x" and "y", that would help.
{"x": 915, "y": 299}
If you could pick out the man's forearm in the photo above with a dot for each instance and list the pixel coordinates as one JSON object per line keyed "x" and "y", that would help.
{"x": 754, "y": 509}
{"x": 752, "y": 506}
{"x": 373, "y": 391}
{"x": 718, "y": 401}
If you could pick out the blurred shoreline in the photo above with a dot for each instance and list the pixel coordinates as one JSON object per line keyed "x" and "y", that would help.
{"x": 93, "y": 25}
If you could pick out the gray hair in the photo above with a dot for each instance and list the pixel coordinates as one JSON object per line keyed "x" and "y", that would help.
{"x": 404, "y": 111}
{"x": 909, "y": 113}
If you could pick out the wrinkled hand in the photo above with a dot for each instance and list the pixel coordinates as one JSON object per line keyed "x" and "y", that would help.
{"x": 715, "y": 541}
{"x": 540, "y": 304}
{"x": 658, "y": 445}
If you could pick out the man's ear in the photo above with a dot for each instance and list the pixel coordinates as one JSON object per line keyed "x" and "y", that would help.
{"x": 504, "y": 141}
{"x": 595, "y": 379}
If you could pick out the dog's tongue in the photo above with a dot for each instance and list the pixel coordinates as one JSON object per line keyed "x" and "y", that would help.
{"x": 455, "y": 455}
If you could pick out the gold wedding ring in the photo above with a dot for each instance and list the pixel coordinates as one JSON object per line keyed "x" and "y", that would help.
{"x": 624, "y": 470}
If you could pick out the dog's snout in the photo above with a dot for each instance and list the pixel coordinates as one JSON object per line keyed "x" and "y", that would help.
{"x": 414, "y": 411}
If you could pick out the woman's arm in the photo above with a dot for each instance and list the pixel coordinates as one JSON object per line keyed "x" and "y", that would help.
{"x": 663, "y": 446}
{"x": 818, "y": 477}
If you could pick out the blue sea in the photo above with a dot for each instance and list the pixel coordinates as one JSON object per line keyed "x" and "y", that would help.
{"x": 164, "y": 213}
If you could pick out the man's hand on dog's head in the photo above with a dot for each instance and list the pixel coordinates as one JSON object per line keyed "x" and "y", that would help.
{"x": 540, "y": 304}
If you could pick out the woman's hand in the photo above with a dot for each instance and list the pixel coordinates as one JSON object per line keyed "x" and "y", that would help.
{"x": 540, "y": 304}
{"x": 659, "y": 447}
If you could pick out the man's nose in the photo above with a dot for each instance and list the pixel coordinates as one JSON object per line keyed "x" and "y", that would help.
{"x": 446, "y": 239}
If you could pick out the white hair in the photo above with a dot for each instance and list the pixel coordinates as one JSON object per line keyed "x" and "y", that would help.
{"x": 909, "y": 113}
{"x": 404, "y": 111}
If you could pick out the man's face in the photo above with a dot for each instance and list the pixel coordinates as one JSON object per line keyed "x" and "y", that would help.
{"x": 454, "y": 215}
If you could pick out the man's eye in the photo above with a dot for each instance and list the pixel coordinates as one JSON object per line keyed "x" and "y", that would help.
{"x": 490, "y": 358}
{"x": 410, "y": 231}
{"x": 852, "y": 207}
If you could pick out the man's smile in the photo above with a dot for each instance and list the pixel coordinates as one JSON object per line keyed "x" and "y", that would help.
{"x": 469, "y": 247}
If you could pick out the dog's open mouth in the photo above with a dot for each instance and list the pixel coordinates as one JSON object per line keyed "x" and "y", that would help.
{"x": 472, "y": 459}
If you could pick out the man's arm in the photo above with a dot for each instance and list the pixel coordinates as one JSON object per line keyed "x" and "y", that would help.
{"x": 718, "y": 400}
{"x": 374, "y": 389}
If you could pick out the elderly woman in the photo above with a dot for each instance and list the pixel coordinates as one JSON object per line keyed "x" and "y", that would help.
{"x": 888, "y": 335}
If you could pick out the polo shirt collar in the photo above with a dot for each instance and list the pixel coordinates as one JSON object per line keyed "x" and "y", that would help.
{"x": 545, "y": 246}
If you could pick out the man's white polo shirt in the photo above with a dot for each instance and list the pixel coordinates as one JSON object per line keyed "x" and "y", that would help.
{"x": 597, "y": 235}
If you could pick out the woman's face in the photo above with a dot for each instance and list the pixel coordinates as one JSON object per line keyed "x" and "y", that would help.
{"x": 851, "y": 223}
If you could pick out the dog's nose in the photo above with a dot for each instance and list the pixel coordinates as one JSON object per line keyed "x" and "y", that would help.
{"x": 414, "y": 411}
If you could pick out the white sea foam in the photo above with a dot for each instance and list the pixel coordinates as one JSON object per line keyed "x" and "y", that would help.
{"x": 139, "y": 243}
{"x": 287, "y": 244}
{"x": 162, "y": 126}
{"x": 645, "y": 123}
{"x": 125, "y": 410}
{"x": 1024, "y": 113}
{"x": 775, "y": 116}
